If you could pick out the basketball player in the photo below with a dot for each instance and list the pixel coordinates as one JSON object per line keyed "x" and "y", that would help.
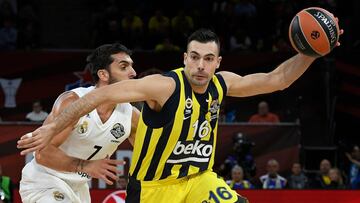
{"x": 176, "y": 136}
{"x": 59, "y": 172}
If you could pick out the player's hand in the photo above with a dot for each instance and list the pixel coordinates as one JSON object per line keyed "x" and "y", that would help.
{"x": 36, "y": 140}
{"x": 340, "y": 32}
{"x": 105, "y": 169}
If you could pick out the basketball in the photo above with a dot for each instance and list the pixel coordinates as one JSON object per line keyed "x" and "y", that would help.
{"x": 314, "y": 32}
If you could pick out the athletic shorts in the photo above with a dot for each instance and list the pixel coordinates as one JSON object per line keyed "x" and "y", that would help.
{"x": 206, "y": 187}
{"x": 37, "y": 186}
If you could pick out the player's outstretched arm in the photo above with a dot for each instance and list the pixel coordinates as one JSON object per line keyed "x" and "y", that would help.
{"x": 154, "y": 88}
{"x": 260, "y": 83}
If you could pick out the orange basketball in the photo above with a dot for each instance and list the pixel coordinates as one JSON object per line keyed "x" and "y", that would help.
{"x": 314, "y": 32}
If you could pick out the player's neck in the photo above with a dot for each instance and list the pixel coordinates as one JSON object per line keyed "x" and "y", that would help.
{"x": 106, "y": 107}
{"x": 199, "y": 89}
{"x": 105, "y": 111}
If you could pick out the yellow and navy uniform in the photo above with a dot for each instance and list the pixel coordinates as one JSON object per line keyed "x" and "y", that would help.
{"x": 178, "y": 143}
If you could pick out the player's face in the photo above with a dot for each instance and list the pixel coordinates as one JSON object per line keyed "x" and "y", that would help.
{"x": 121, "y": 68}
{"x": 201, "y": 60}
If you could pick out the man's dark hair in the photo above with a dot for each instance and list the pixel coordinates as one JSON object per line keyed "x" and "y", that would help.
{"x": 101, "y": 58}
{"x": 203, "y": 35}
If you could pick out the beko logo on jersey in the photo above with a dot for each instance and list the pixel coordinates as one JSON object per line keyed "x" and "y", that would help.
{"x": 197, "y": 151}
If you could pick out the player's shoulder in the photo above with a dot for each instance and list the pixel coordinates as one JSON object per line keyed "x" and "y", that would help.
{"x": 65, "y": 99}
{"x": 68, "y": 96}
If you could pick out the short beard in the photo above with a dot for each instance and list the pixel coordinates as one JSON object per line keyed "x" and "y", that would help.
{"x": 112, "y": 80}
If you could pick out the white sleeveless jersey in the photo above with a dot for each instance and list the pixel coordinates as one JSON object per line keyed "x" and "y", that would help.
{"x": 91, "y": 139}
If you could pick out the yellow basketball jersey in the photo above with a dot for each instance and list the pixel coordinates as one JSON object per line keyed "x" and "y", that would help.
{"x": 179, "y": 140}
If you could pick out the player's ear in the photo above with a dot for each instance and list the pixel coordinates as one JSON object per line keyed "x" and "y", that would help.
{"x": 103, "y": 74}
{"x": 185, "y": 57}
{"x": 218, "y": 62}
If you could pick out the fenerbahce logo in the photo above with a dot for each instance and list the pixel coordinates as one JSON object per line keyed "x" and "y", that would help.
{"x": 118, "y": 130}
{"x": 188, "y": 108}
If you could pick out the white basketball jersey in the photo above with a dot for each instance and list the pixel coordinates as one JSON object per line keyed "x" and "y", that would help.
{"x": 91, "y": 139}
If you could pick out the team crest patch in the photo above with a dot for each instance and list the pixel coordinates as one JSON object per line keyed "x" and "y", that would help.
{"x": 58, "y": 196}
{"x": 188, "y": 108}
{"x": 188, "y": 103}
{"x": 83, "y": 128}
{"x": 118, "y": 130}
{"x": 214, "y": 106}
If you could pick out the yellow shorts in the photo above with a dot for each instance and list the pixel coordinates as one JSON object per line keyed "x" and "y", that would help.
{"x": 205, "y": 187}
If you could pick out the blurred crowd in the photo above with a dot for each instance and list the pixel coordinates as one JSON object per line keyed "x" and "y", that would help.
{"x": 243, "y": 25}
{"x": 239, "y": 171}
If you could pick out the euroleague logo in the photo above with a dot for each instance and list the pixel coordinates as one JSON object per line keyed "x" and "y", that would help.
{"x": 116, "y": 197}
{"x": 315, "y": 34}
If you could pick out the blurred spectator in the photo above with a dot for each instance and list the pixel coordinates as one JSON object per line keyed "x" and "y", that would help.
{"x": 240, "y": 41}
{"x": 166, "y": 45}
{"x": 122, "y": 182}
{"x": 336, "y": 180}
{"x": 272, "y": 180}
{"x": 29, "y": 27}
{"x": 264, "y": 115}
{"x": 8, "y": 35}
{"x": 132, "y": 28}
{"x": 245, "y": 9}
{"x": 322, "y": 179}
{"x": 159, "y": 26}
{"x": 241, "y": 155}
{"x": 297, "y": 179}
{"x": 113, "y": 32}
{"x": 28, "y": 37}
{"x": 237, "y": 179}
{"x": 181, "y": 25}
{"x": 354, "y": 174}
{"x": 219, "y": 6}
{"x": 7, "y": 10}
{"x": 37, "y": 114}
{"x": 6, "y": 187}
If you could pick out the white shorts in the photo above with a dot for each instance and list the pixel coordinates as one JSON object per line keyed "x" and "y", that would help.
{"x": 38, "y": 186}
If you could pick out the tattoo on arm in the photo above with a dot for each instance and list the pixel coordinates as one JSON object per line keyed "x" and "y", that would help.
{"x": 75, "y": 111}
